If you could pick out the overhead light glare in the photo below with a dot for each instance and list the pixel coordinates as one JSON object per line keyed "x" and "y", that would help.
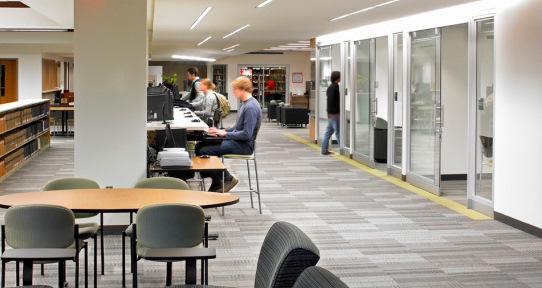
{"x": 363, "y": 10}
{"x": 264, "y": 3}
{"x": 206, "y": 39}
{"x": 205, "y": 12}
{"x": 230, "y": 50}
{"x": 236, "y": 31}
{"x": 182, "y": 57}
{"x": 231, "y": 47}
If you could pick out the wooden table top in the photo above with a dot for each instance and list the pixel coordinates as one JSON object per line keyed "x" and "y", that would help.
{"x": 62, "y": 108}
{"x": 198, "y": 165}
{"x": 118, "y": 200}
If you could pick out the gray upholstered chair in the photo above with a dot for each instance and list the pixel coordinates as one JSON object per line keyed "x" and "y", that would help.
{"x": 248, "y": 158}
{"x": 42, "y": 233}
{"x": 163, "y": 228}
{"x": 317, "y": 277}
{"x": 150, "y": 183}
{"x": 86, "y": 230}
{"x": 286, "y": 252}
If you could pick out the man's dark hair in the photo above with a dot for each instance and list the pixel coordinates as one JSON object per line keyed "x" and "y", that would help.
{"x": 193, "y": 71}
{"x": 335, "y": 76}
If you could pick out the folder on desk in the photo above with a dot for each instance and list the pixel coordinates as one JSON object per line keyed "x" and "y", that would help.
{"x": 174, "y": 157}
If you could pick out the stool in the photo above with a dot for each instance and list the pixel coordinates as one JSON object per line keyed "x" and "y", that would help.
{"x": 247, "y": 158}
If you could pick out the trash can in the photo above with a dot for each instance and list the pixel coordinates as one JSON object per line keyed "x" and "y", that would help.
{"x": 381, "y": 140}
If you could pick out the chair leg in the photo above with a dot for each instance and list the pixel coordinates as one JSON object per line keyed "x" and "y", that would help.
{"x": 202, "y": 274}
{"x": 95, "y": 260}
{"x": 42, "y": 269}
{"x": 17, "y": 273}
{"x": 124, "y": 258}
{"x": 250, "y": 184}
{"x": 258, "y": 185}
{"x": 86, "y": 265}
{"x": 102, "y": 240}
{"x": 3, "y": 284}
{"x": 134, "y": 273}
{"x": 169, "y": 268}
{"x": 77, "y": 270}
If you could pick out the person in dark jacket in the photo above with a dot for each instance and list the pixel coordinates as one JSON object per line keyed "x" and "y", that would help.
{"x": 333, "y": 111}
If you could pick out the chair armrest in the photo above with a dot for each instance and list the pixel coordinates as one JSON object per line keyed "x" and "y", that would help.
{"x": 180, "y": 254}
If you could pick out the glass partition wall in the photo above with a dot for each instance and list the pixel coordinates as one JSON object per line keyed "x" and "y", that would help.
{"x": 329, "y": 60}
{"x": 396, "y": 106}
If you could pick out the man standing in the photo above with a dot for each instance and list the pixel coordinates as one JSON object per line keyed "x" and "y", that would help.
{"x": 195, "y": 94}
{"x": 333, "y": 111}
{"x": 239, "y": 139}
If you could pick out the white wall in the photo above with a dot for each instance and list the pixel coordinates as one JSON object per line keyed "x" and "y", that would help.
{"x": 455, "y": 93}
{"x": 298, "y": 62}
{"x": 110, "y": 106}
{"x": 157, "y": 71}
{"x": 382, "y": 76}
{"x": 28, "y": 75}
{"x": 518, "y": 102}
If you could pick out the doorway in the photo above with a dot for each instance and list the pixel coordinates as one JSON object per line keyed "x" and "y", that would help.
{"x": 8, "y": 81}
{"x": 270, "y": 82}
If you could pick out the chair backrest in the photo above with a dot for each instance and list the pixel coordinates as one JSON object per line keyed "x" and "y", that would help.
{"x": 286, "y": 252}
{"x": 71, "y": 183}
{"x": 39, "y": 226}
{"x": 317, "y": 277}
{"x": 170, "y": 226}
{"x": 217, "y": 117}
{"x": 163, "y": 183}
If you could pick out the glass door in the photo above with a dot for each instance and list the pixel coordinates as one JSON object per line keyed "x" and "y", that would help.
{"x": 396, "y": 106}
{"x": 324, "y": 74}
{"x": 346, "y": 99}
{"x": 365, "y": 103}
{"x": 426, "y": 111}
{"x": 480, "y": 196}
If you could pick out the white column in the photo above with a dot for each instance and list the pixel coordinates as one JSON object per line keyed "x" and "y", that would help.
{"x": 110, "y": 45}
{"x": 517, "y": 111}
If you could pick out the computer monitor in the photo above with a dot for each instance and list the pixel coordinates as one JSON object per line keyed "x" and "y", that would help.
{"x": 175, "y": 92}
{"x": 170, "y": 138}
{"x": 160, "y": 106}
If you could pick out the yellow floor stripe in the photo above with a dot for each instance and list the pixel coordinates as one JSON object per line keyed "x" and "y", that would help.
{"x": 452, "y": 205}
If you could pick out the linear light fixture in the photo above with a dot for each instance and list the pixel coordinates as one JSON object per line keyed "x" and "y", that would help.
{"x": 182, "y": 57}
{"x": 230, "y": 50}
{"x": 205, "y": 12}
{"x": 206, "y": 39}
{"x": 236, "y": 31}
{"x": 231, "y": 47}
{"x": 363, "y": 10}
{"x": 264, "y": 3}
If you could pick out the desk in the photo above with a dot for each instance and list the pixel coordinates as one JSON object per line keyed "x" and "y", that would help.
{"x": 211, "y": 164}
{"x": 64, "y": 109}
{"x": 118, "y": 200}
{"x": 181, "y": 120}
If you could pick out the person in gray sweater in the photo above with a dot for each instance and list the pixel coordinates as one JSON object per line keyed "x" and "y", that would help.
{"x": 239, "y": 139}
{"x": 206, "y": 107}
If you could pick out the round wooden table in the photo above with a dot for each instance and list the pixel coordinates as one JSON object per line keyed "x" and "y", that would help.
{"x": 118, "y": 200}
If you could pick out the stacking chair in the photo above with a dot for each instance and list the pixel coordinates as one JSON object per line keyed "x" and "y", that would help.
{"x": 171, "y": 233}
{"x": 286, "y": 252}
{"x": 248, "y": 158}
{"x": 86, "y": 230}
{"x": 316, "y": 277}
{"x": 42, "y": 233}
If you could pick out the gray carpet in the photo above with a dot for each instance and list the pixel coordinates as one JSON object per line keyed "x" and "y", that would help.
{"x": 370, "y": 232}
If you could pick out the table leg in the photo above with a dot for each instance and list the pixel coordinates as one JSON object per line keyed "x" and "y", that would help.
{"x": 191, "y": 272}
{"x": 27, "y": 272}
{"x": 169, "y": 267}
{"x": 64, "y": 122}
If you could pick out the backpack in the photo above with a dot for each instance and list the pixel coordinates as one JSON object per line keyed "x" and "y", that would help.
{"x": 223, "y": 105}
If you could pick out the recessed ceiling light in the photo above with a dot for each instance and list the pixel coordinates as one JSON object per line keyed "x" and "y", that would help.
{"x": 236, "y": 31}
{"x": 206, "y": 39}
{"x": 182, "y": 57}
{"x": 205, "y": 12}
{"x": 230, "y": 50}
{"x": 264, "y": 3}
{"x": 231, "y": 47}
{"x": 363, "y": 10}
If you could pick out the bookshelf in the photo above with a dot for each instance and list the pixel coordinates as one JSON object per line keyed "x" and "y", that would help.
{"x": 219, "y": 78}
{"x": 24, "y": 133}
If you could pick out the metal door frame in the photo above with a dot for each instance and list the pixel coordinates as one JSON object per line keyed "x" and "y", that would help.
{"x": 394, "y": 170}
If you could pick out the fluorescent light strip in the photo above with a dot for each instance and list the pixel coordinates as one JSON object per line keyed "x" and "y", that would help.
{"x": 230, "y": 50}
{"x": 363, "y": 10}
{"x": 206, "y": 39}
{"x": 182, "y": 57}
{"x": 205, "y": 12}
{"x": 264, "y": 3}
{"x": 231, "y": 47}
{"x": 236, "y": 31}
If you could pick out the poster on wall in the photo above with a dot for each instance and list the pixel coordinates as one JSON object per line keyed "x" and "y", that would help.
{"x": 297, "y": 77}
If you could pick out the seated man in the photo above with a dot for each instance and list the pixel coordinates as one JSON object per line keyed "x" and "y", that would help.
{"x": 238, "y": 139}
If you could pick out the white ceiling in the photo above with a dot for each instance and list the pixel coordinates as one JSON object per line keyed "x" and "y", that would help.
{"x": 279, "y": 23}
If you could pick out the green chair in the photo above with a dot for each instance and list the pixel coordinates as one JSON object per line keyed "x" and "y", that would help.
{"x": 86, "y": 230}
{"x": 44, "y": 233}
{"x": 164, "y": 228}
{"x": 316, "y": 277}
{"x": 248, "y": 159}
{"x": 150, "y": 183}
{"x": 286, "y": 252}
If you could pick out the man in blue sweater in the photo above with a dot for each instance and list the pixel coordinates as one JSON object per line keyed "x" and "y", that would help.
{"x": 239, "y": 139}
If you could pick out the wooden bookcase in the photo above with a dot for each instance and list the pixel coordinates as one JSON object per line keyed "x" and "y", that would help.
{"x": 24, "y": 132}
{"x": 219, "y": 78}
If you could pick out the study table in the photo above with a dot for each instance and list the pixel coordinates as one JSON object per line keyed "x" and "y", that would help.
{"x": 64, "y": 108}
{"x": 182, "y": 119}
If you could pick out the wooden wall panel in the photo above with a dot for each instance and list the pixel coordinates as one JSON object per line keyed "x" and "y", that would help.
{"x": 49, "y": 69}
